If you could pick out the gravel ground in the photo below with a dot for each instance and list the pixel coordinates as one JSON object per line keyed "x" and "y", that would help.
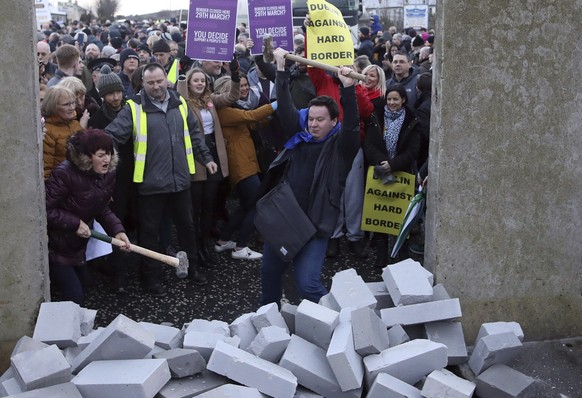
{"x": 234, "y": 288}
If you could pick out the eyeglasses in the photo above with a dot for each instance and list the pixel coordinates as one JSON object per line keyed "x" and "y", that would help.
{"x": 68, "y": 105}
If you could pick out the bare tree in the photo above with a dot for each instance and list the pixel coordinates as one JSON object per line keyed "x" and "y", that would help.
{"x": 106, "y": 9}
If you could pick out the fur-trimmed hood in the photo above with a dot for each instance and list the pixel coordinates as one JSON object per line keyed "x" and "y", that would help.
{"x": 83, "y": 161}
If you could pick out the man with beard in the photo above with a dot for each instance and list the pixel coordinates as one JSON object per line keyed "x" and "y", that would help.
{"x": 110, "y": 89}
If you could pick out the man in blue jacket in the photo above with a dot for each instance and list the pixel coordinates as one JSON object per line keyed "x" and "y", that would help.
{"x": 315, "y": 162}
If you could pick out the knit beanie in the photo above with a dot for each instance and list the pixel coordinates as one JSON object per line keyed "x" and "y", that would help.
{"x": 125, "y": 54}
{"x": 144, "y": 47}
{"x": 108, "y": 82}
{"x": 107, "y": 51}
{"x": 161, "y": 46}
{"x": 177, "y": 37}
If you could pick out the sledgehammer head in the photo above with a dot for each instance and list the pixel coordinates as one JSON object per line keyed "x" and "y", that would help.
{"x": 182, "y": 268}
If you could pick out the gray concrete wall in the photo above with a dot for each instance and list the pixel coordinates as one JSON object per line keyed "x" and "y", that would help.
{"x": 23, "y": 247}
{"x": 505, "y": 193}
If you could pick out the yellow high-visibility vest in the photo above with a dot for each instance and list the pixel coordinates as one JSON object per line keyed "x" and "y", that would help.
{"x": 173, "y": 73}
{"x": 140, "y": 138}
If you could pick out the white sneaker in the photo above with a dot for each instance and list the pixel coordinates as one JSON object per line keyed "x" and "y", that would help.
{"x": 224, "y": 247}
{"x": 246, "y": 254}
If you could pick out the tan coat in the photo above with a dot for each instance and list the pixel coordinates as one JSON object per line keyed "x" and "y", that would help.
{"x": 218, "y": 101}
{"x": 54, "y": 143}
{"x": 242, "y": 156}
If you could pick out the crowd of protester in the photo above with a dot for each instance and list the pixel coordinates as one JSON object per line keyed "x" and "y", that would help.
{"x": 169, "y": 139}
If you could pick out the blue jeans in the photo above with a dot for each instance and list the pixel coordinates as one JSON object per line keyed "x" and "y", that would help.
{"x": 307, "y": 266}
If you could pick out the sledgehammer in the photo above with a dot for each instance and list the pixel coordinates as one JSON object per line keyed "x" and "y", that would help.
{"x": 180, "y": 262}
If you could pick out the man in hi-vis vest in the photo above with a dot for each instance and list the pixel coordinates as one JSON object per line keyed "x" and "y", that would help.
{"x": 166, "y": 141}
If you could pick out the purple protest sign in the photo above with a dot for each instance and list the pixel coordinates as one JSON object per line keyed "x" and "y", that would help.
{"x": 211, "y": 29}
{"x": 274, "y": 18}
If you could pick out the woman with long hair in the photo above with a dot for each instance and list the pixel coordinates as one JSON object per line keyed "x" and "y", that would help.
{"x": 243, "y": 164}
{"x": 375, "y": 85}
{"x": 394, "y": 147}
{"x": 204, "y": 104}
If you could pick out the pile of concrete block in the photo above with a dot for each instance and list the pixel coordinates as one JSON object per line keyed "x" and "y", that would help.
{"x": 393, "y": 338}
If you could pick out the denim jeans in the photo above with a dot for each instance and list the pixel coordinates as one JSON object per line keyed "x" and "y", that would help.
{"x": 307, "y": 266}
{"x": 67, "y": 281}
{"x": 243, "y": 218}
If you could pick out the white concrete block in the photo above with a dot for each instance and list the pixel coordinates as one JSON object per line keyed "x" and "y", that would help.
{"x": 243, "y": 327}
{"x": 251, "y": 371}
{"x": 492, "y": 349}
{"x": 183, "y": 362}
{"x": 156, "y": 350}
{"x": 501, "y": 381}
{"x": 123, "y": 338}
{"x": 451, "y": 335}
{"x": 381, "y": 294}
{"x": 232, "y": 391}
{"x": 407, "y": 283}
{"x": 268, "y": 315}
{"x": 421, "y": 313}
{"x": 490, "y": 328}
{"x": 370, "y": 333}
{"x": 135, "y": 378}
{"x": 166, "y": 337}
{"x": 443, "y": 383}
{"x": 40, "y": 368}
{"x": 348, "y": 289}
{"x": 205, "y": 326}
{"x": 397, "y": 335}
{"x": 9, "y": 374}
{"x": 70, "y": 353}
{"x": 84, "y": 341}
{"x": 408, "y": 362}
{"x": 192, "y": 386}
{"x": 203, "y": 342}
{"x": 87, "y": 320}
{"x": 387, "y": 386}
{"x": 10, "y": 387}
{"x": 58, "y": 323}
{"x": 270, "y": 343}
{"x": 327, "y": 302}
{"x": 303, "y": 392}
{"x": 309, "y": 363}
{"x": 288, "y": 312}
{"x": 65, "y": 390}
{"x": 346, "y": 364}
{"x": 315, "y": 323}
{"x": 233, "y": 341}
{"x": 26, "y": 343}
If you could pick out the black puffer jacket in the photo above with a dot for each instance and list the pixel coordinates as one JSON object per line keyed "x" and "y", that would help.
{"x": 406, "y": 149}
{"x": 75, "y": 192}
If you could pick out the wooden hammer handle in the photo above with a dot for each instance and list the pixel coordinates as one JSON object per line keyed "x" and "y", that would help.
{"x": 173, "y": 261}
{"x": 329, "y": 68}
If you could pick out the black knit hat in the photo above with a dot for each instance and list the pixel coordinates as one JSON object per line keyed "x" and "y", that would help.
{"x": 125, "y": 54}
{"x": 108, "y": 82}
{"x": 144, "y": 47}
{"x": 161, "y": 46}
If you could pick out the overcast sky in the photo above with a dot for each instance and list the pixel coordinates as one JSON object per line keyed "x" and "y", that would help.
{"x": 129, "y": 7}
